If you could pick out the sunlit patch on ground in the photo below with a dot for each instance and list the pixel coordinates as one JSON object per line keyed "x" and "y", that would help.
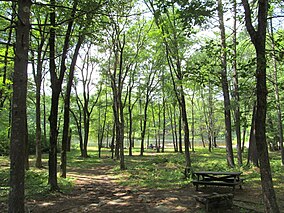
{"x": 47, "y": 204}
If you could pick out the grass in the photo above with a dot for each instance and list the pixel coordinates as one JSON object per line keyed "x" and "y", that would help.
{"x": 161, "y": 171}
{"x": 153, "y": 170}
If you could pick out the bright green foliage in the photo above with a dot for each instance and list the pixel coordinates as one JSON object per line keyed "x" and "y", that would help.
{"x": 195, "y": 13}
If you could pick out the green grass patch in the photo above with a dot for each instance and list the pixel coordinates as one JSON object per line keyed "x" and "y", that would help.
{"x": 149, "y": 171}
{"x": 36, "y": 184}
{"x": 165, "y": 170}
{"x": 153, "y": 170}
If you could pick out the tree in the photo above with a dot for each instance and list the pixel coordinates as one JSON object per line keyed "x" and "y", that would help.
{"x": 66, "y": 127}
{"x": 118, "y": 68}
{"x": 169, "y": 25}
{"x": 258, "y": 38}
{"x": 102, "y": 120}
{"x": 56, "y": 89}
{"x": 277, "y": 95}
{"x": 136, "y": 38}
{"x": 225, "y": 87}
{"x": 235, "y": 94}
{"x": 19, "y": 116}
{"x": 39, "y": 42}
{"x": 56, "y": 84}
{"x": 85, "y": 101}
{"x": 150, "y": 85}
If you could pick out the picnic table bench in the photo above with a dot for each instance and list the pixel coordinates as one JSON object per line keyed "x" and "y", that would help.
{"x": 218, "y": 179}
{"x": 215, "y": 202}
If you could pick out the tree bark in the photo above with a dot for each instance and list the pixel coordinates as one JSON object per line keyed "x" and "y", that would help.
{"x": 225, "y": 88}
{"x": 56, "y": 88}
{"x": 38, "y": 80}
{"x": 192, "y": 122}
{"x": 180, "y": 132}
{"x": 117, "y": 81}
{"x": 41, "y": 52}
{"x": 252, "y": 151}
{"x": 164, "y": 123}
{"x": 149, "y": 90}
{"x": 258, "y": 38}
{"x": 19, "y": 116}
{"x": 66, "y": 126}
{"x": 78, "y": 120}
{"x": 277, "y": 96}
{"x": 130, "y": 112}
{"x": 44, "y": 114}
{"x": 235, "y": 94}
{"x": 173, "y": 128}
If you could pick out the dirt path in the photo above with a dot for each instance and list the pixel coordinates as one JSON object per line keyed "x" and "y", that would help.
{"x": 96, "y": 191}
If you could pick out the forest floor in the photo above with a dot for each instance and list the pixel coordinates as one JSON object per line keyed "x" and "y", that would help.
{"x": 151, "y": 184}
{"x": 97, "y": 190}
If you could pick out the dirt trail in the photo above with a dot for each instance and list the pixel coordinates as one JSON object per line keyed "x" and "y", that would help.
{"x": 96, "y": 191}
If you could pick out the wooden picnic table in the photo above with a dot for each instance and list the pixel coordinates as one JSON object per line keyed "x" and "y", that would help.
{"x": 217, "y": 178}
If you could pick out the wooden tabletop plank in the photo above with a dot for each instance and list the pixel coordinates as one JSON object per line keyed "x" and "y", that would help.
{"x": 217, "y": 173}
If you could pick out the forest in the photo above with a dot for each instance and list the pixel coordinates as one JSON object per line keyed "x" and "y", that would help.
{"x": 168, "y": 83}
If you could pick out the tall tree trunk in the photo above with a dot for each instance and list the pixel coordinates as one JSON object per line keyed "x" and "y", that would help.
{"x": 154, "y": 127}
{"x": 130, "y": 109}
{"x": 100, "y": 142}
{"x": 104, "y": 124}
{"x": 130, "y": 122}
{"x": 277, "y": 96}
{"x": 236, "y": 95}
{"x": 121, "y": 139}
{"x": 86, "y": 134}
{"x": 173, "y": 128}
{"x": 186, "y": 132}
{"x": 44, "y": 114}
{"x": 144, "y": 126}
{"x": 211, "y": 127}
{"x": 244, "y": 137}
{"x": 19, "y": 113}
{"x": 78, "y": 120}
{"x": 258, "y": 38}
{"x": 27, "y": 147}
{"x": 66, "y": 128}
{"x": 55, "y": 86}
{"x": 164, "y": 124}
{"x": 159, "y": 129}
{"x": 113, "y": 141}
{"x": 101, "y": 128}
{"x": 252, "y": 151}
{"x": 192, "y": 122}
{"x": 179, "y": 132}
{"x": 37, "y": 73}
{"x": 117, "y": 81}
{"x": 38, "y": 80}
{"x": 149, "y": 90}
{"x": 225, "y": 88}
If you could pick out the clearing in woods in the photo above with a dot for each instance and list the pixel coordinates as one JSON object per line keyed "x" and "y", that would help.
{"x": 99, "y": 186}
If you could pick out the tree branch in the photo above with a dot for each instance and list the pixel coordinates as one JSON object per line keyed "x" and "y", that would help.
{"x": 248, "y": 21}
